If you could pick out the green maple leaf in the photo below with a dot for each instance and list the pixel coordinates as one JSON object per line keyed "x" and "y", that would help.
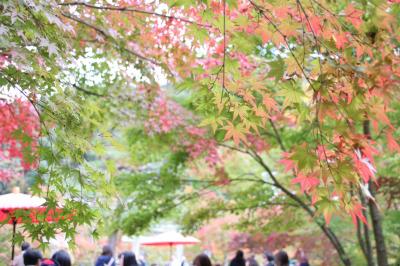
{"x": 306, "y": 158}
{"x": 240, "y": 111}
{"x": 291, "y": 94}
{"x": 277, "y": 69}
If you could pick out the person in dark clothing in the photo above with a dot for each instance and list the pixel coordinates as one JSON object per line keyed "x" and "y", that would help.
{"x": 270, "y": 259}
{"x": 238, "y": 260}
{"x": 128, "y": 259}
{"x": 304, "y": 261}
{"x": 202, "y": 260}
{"x": 62, "y": 258}
{"x": 106, "y": 258}
{"x": 32, "y": 257}
{"x": 252, "y": 261}
{"x": 19, "y": 260}
{"x": 281, "y": 258}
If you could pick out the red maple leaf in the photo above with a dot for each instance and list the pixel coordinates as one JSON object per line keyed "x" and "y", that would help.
{"x": 341, "y": 40}
{"x": 287, "y": 162}
{"x": 354, "y": 16}
{"x": 306, "y": 182}
{"x": 391, "y": 142}
{"x": 356, "y": 213}
{"x": 314, "y": 25}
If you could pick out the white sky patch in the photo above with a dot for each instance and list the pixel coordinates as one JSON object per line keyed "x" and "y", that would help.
{"x": 9, "y": 94}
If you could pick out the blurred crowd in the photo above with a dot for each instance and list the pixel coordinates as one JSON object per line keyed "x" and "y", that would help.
{"x": 33, "y": 257}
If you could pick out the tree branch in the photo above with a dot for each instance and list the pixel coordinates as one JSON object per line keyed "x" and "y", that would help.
{"x": 277, "y": 135}
{"x": 131, "y": 9}
{"x": 109, "y": 37}
{"x": 87, "y": 91}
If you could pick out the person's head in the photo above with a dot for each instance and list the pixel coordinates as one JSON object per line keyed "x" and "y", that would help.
{"x": 270, "y": 257}
{"x": 25, "y": 246}
{"x": 303, "y": 259}
{"x": 107, "y": 251}
{"x": 202, "y": 260}
{"x": 281, "y": 258}
{"x": 128, "y": 259}
{"x": 62, "y": 258}
{"x": 239, "y": 254}
{"x": 32, "y": 257}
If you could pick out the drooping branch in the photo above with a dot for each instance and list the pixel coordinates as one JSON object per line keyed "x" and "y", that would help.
{"x": 87, "y": 91}
{"x": 132, "y": 9}
{"x": 109, "y": 37}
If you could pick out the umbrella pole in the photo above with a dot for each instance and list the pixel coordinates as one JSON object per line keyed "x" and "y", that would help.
{"x": 170, "y": 253}
{"x": 13, "y": 238}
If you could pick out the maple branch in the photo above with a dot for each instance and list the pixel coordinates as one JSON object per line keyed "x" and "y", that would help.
{"x": 87, "y": 91}
{"x": 277, "y": 135}
{"x": 212, "y": 84}
{"x": 234, "y": 148}
{"x": 239, "y": 178}
{"x": 135, "y": 10}
{"x": 257, "y": 206}
{"x": 367, "y": 241}
{"x": 109, "y": 37}
{"x": 256, "y": 179}
{"x": 375, "y": 214}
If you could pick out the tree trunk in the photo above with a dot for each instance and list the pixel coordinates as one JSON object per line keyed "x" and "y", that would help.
{"x": 376, "y": 217}
{"x": 367, "y": 242}
{"x": 113, "y": 240}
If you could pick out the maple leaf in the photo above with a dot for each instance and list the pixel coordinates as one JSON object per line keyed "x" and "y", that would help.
{"x": 247, "y": 96}
{"x": 291, "y": 94}
{"x": 327, "y": 207}
{"x": 364, "y": 166}
{"x": 269, "y": 103}
{"x": 314, "y": 25}
{"x": 356, "y": 212}
{"x": 288, "y": 162}
{"x": 264, "y": 36}
{"x": 391, "y": 142}
{"x": 306, "y": 182}
{"x": 354, "y": 16}
{"x": 328, "y": 217}
{"x": 240, "y": 111}
{"x": 277, "y": 69}
{"x": 340, "y": 39}
{"x": 213, "y": 121}
{"x": 237, "y": 133}
{"x": 220, "y": 101}
{"x": 292, "y": 66}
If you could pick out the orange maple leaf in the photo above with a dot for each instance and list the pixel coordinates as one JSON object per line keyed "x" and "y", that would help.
{"x": 237, "y": 133}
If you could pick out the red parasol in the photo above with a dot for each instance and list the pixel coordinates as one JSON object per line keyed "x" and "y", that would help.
{"x": 16, "y": 208}
{"x": 169, "y": 239}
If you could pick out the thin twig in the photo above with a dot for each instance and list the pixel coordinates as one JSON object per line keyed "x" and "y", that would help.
{"x": 109, "y": 37}
{"x": 135, "y": 10}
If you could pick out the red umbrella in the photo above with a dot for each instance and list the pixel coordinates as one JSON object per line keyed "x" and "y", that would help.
{"x": 16, "y": 208}
{"x": 169, "y": 239}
